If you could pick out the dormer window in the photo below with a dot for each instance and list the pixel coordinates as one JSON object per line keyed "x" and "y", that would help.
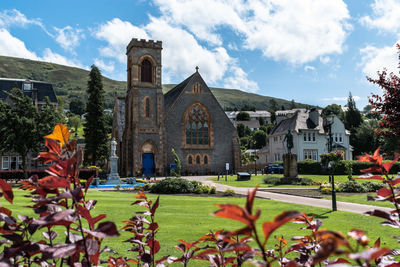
{"x": 27, "y": 86}
{"x": 146, "y": 71}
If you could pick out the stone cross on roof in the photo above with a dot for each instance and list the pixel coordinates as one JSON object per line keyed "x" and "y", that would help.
{"x": 197, "y": 68}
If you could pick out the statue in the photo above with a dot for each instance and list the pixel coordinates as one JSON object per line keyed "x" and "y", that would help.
{"x": 289, "y": 141}
{"x": 113, "y": 176}
{"x": 113, "y": 147}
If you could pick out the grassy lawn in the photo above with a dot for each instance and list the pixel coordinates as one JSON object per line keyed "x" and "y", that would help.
{"x": 362, "y": 199}
{"x": 189, "y": 217}
{"x": 259, "y": 180}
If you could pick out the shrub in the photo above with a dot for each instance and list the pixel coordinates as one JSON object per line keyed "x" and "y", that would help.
{"x": 372, "y": 186}
{"x": 351, "y": 187}
{"x": 288, "y": 181}
{"x": 326, "y": 190}
{"x": 229, "y": 192}
{"x": 272, "y": 180}
{"x": 175, "y": 186}
{"x": 147, "y": 187}
{"x": 213, "y": 190}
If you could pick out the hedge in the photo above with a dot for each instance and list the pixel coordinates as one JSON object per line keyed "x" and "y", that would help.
{"x": 84, "y": 174}
{"x": 308, "y": 167}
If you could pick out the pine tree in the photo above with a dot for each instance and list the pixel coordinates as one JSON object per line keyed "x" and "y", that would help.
{"x": 352, "y": 117}
{"x": 95, "y": 126}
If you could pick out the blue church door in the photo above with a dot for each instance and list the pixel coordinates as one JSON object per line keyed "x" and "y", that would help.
{"x": 148, "y": 163}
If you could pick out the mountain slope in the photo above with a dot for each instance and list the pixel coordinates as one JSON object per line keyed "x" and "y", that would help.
{"x": 70, "y": 83}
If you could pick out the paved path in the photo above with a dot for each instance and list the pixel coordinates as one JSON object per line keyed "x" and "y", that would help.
{"x": 322, "y": 203}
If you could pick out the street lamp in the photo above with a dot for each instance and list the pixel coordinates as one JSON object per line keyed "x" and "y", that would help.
{"x": 331, "y": 167}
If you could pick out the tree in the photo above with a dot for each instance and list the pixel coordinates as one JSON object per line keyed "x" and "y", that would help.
{"x": 365, "y": 139}
{"x": 77, "y": 106}
{"x": 177, "y": 161}
{"x": 243, "y": 116}
{"x": 335, "y": 110}
{"x": 242, "y": 130}
{"x": 352, "y": 117}
{"x": 273, "y": 105}
{"x": 261, "y": 121}
{"x": 259, "y": 139}
{"x": 49, "y": 117}
{"x": 388, "y": 105}
{"x": 19, "y": 126}
{"x": 95, "y": 126}
{"x": 75, "y": 122}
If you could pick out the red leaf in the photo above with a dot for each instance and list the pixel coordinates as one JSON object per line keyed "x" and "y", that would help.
{"x": 53, "y": 182}
{"x": 153, "y": 227}
{"x": 372, "y": 169}
{"x": 5, "y": 211}
{"x": 384, "y": 192}
{"x": 88, "y": 183}
{"x": 234, "y": 212}
{"x": 388, "y": 165}
{"x": 395, "y": 181}
{"x": 269, "y": 227}
{"x": 250, "y": 200}
{"x": 155, "y": 206}
{"x": 154, "y": 246}
{"x": 377, "y": 243}
{"x": 104, "y": 230}
{"x": 7, "y": 191}
{"x": 53, "y": 146}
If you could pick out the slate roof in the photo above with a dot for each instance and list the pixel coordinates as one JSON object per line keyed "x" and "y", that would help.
{"x": 173, "y": 94}
{"x": 43, "y": 89}
{"x": 253, "y": 114}
{"x": 299, "y": 121}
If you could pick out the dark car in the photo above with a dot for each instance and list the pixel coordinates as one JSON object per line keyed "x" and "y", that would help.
{"x": 274, "y": 168}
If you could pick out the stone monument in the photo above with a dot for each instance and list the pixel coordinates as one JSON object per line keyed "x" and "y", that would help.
{"x": 113, "y": 176}
{"x": 289, "y": 159}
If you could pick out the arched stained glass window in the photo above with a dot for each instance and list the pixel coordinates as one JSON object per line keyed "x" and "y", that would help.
{"x": 197, "y": 159}
{"x": 197, "y": 124}
{"x": 146, "y": 71}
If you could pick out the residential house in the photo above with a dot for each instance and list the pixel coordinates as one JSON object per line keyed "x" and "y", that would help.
{"x": 310, "y": 135}
{"x": 254, "y": 115}
{"x": 36, "y": 90}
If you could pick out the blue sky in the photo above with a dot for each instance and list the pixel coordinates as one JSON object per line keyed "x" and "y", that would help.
{"x": 312, "y": 51}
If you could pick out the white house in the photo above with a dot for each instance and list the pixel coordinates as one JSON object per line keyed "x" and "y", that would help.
{"x": 254, "y": 115}
{"x": 310, "y": 136}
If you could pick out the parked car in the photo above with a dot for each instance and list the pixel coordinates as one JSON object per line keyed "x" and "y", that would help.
{"x": 274, "y": 168}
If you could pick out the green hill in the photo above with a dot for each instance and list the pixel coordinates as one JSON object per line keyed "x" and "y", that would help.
{"x": 70, "y": 82}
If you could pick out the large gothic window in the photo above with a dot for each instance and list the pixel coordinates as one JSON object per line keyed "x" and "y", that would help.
{"x": 197, "y": 123}
{"x": 145, "y": 70}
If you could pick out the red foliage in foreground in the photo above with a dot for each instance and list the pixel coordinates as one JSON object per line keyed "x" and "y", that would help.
{"x": 60, "y": 201}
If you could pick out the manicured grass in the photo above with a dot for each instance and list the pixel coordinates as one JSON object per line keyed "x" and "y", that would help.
{"x": 259, "y": 180}
{"x": 189, "y": 218}
{"x": 362, "y": 199}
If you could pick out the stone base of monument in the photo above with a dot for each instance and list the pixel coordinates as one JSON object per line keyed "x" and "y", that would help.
{"x": 113, "y": 177}
{"x": 290, "y": 165}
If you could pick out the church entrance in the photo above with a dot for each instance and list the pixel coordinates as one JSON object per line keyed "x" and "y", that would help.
{"x": 148, "y": 163}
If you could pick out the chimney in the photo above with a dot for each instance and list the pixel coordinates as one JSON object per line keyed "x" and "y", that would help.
{"x": 313, "y": 115}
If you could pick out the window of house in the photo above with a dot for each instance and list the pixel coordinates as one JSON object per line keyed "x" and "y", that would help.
{"x": 197, "y": 159}
{"x": 146, "y": 71}
{"x": 305, "y": 137}
{"x": 309, "y": 137}
{"x": 15, "y": 163}
{"x": 197, "y": 126}
{"x": 311, "y": 154}
{"x": 5, "y": 163}
{"x": 205, "y": 159}
{"x": 313, "y": 137}
{"x": 190, "y": 160}
{"x": 27, "y": 86}
{"x": 336, "y": 137}
{"x": 340, "y": 138}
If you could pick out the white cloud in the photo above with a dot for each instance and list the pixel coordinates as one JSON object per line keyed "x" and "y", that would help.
{"x": 13, "y": 17}
{"x": 386, "y": 16}
{"x": 238, "y": 80}
{"x": 307, "y": 68}
{"x": 341, "y": 99}
{"x": 325, "y": 59}
{"x": 375, "y": 59}
{"x": 296, "y": 31}
{"x": 14, "y": 47}
{"x": 107, "y": 67}
{"x": 50, "y": 56}
{"x": 68, "y": 37}
{"x": 117, "y": 34}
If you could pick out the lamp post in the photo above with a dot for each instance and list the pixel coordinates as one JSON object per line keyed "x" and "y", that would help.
{"x": 331, "y": 163}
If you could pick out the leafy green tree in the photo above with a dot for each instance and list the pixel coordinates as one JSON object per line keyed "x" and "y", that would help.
{"x": 77, "y": 106}
{"x": 75, "y": 122}
{"x": 261, "y": 121}
{"x": 19, "y": 126}
{"x": 177, "y": 161}
{"x": 259, "y": 138}
{"x": 243, "y": 116}
{"x": 243, "y": 130}
{"x": 273, "y": 105}
{"x": 95, "y": 126}
{"x": 267, "y": 128}
{"x": 49, "y": 117}
{"x": 335, "y": 110}
{"x": 365, "y": 139}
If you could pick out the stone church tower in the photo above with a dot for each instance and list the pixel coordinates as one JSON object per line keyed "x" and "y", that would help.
{"x": 143, "y": 147}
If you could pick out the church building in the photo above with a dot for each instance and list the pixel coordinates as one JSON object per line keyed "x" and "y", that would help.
{"x": 147, "y": 124}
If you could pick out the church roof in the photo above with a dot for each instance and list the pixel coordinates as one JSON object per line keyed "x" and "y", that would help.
{"x": 173, "y": 94}
{"x": 43, "y": 89}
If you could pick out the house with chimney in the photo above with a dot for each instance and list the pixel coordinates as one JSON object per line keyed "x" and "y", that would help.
{"x": 310, "y": 133}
